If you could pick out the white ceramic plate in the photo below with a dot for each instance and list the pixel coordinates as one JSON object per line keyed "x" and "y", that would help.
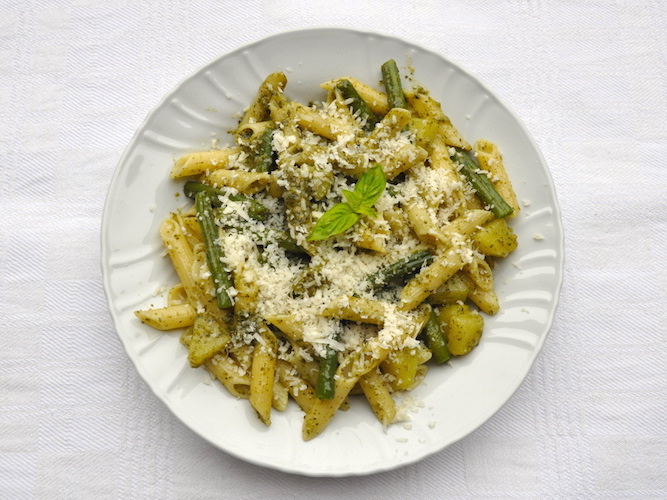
{"x": 454, "y": 400}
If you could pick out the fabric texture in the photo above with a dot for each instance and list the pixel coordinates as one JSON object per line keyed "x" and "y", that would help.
{"x": 588, "y": 79}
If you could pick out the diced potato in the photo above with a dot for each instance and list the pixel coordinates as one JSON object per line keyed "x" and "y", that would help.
{"x": 404, "y": 365}
{"x": 461, "y": 327}
{"x": 496, "y": 239}
{"x": 455, "y": 289}
{"x": 208, "y": 337}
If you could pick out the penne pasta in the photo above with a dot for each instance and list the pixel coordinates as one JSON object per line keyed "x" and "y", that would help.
{"x": 201, "y": 162}
{"x": 168, "y": 318}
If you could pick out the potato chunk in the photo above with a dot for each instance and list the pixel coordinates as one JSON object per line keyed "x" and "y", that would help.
{"x": 208, "y": 337}
{"x": 404, "y": 366}
{"x": 496, "y": 239}
{"x": 461, "y": 327}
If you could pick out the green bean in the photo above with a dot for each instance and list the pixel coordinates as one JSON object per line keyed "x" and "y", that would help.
{"x": 400, "y": 269}
{"x": 221, "y": 278}
{"x": 256, "y": 210}
{"x": 263, "y": 160}
{"x": 392, "y": 84}
{"x": 435, "y": 340}
{"x": 481, "y": 183}
{"x": 326, "y": 385}
{"x": 358, "y": 104}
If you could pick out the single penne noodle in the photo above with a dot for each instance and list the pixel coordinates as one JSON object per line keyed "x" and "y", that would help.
{"x": 480, "y": 273}
{"x": 288, "y": 324}
{"x": 290, "y": 327}
{"x": 258, "y": 110}
{"x": 323, "y": 410}
{"x": 403, "y": 159}
{"x": 280, "y": 108}
{"x": 249, "y": 132}
{"x": 230, "y": 374}
{"x": 356, "y": 309}
{"x": 244, "y": 182}
{"x": 177, "y": 295}
{"x": 263, "y": 372}
{"x": 441, "y": 161}
{"x": 423, "y": 222}
{"x": 465, "y": 225}
{"x": 198, "y": 163}
{"x": 183, "y": 260}
{"x": 490, "y": 159}
{"x": 168, "y": 318}
{"x": 375, "y": 99}
{"x": 319, "y": 123}
{"x": 378, "y": 396}
{"x": 430, "y": 278}
{"x": 486, "y": 300}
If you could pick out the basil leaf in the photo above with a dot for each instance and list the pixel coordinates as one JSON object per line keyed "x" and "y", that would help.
{"x": 370, "y": 186}
{"x": 353, "y": 198}
{"x": 364, "y": 210}
{"x": 334, "y": 221}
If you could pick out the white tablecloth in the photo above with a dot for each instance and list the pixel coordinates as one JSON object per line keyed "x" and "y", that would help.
{"x": 589, "y": 79}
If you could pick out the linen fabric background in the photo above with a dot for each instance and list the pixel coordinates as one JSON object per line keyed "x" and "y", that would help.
{"x": 589, "y": 80}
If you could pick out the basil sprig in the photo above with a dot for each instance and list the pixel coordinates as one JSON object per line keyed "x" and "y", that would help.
{"x": 343, "y": 216}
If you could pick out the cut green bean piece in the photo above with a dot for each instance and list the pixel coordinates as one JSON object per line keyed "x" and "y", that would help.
{"x": 481, "y": 183}
{"x": 221, "y": 278}
{"x": 392, "y": 84}
{"x": 404, "y": 267}
{"x": 256, "y": 210}
{"x": 435, "y": 340}
{"x": 358, "y": 104}
{"x": 264, "y": 152}
{"x": 326, "y": 385}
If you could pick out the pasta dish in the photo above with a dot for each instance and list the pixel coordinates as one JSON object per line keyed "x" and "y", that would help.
{"x": 335, "y": 249}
